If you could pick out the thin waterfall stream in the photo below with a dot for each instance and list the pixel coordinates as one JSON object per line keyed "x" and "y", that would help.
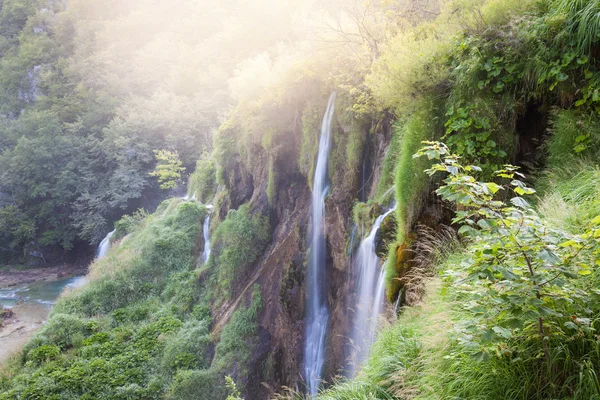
{"x": 104, "y": 245}
{"x": 206, "y": 234}
{"x": 370, "y": 287}
{"x": 317, "y": 314}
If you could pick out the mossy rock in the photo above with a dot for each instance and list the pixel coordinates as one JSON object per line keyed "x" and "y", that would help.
{"x": 365, "y": 214}
{"x": 386, "y": 235}
{"x": 402, "y": 264}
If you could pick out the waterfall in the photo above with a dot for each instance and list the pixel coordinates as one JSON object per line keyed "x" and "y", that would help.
{"x": 370, "y": 286}
{"x": 104, "y": 245}
{"x": 206, "y": 234}
{"x": 351, "y": 252}
{"x": 317, "y": 315}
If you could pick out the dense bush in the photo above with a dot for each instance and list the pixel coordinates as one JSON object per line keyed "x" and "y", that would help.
{"x": 190, "y": 348}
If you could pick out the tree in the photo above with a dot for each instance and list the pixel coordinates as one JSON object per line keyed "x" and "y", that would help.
{"x": 168, "y": 169}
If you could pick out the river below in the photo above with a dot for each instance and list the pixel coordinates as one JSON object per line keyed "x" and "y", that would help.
{"x": 31, "y": 304}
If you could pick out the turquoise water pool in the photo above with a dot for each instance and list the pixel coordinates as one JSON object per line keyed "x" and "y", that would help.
{"x": 45, "y": 292}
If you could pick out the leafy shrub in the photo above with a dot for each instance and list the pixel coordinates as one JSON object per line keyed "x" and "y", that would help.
{"x": 189, "y": 348}
{"x": 520, "y": 275}
{"x": 470, "y": 132}
{"x": 238, "y": 339}
{"x": 194, "y": 384}
{"x": 62, "y": 329}
{"x": 43, "y": 353}
{"x": 134, "y": 312}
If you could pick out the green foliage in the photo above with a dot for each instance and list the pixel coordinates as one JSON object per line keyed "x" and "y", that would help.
{"x": 190, "y": 384}
{"x": 386, "y": 181}
{"x": 189, "y": 348}
{"x": 582, "y": 16}
{"x": 364, "y": 214}
{"x": 14, "y": 15}
{"x": 411, "y": 64}
{"x": 573, "y": 135}
{"x": 82, "y": 111}
{"x": 409, "y": 179}
{"x": 143, "y": 264}
{"x": 147, "y": 334}
{"x": 182, "y": 291}
{"x": 64, "y": 330}
{"x": 571, "y": 196}
{"x": 234, "y": 393}
{"x": 396, "y": 348}
{"x": 311, "y": 120}
{"x": 469, "y": 132}
{"x": 353, "y": 154}
{"x": 349, "y": 135}
{"x": 130, "y": 223}
{"x": 519, "y": 275}
{"x": 202, "y": 182}
{"x": 237, "y": 242}
{"x": 168, "y": 169}
{"x": 238, "y": 339}
{"x": 44, "y": 353}
{"x": 16, "y": 228}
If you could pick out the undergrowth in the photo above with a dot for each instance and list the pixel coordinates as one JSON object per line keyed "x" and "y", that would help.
{"x": 141, "y": 328}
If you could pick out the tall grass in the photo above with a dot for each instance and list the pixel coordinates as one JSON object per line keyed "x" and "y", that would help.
{"x": 573, "y": 134}
{"x": 583, "y": 21}
{"x": 397, "y": 348}
{"x": 571, "y": 195}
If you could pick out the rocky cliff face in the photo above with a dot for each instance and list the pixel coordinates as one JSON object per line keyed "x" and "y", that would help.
{"x": 281, "y": 270}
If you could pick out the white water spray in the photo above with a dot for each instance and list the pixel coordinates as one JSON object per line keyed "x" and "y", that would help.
{"x": 370, "y": 279}
{"x": 317, "y": 314}
{"x": 206, "y": 234}
{"x": 104, "y": 245}
{"x": 397, "y": 305}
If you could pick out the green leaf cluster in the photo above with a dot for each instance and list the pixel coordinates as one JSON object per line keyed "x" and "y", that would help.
{"x": 520, "y": 276}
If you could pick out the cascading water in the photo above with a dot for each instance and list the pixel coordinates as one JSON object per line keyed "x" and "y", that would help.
{"x": 317, "y": 315}
{"x": 351, "y": 252}
{"x": 206, "y": 234}
{"x": 369, "y": 298}
{"x": 104, "y": 245}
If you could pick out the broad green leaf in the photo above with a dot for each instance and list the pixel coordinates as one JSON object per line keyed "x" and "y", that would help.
{"x": 570, "y": 325}
{"x": 520, "y": 202}
{"x": 502, "y": 332}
